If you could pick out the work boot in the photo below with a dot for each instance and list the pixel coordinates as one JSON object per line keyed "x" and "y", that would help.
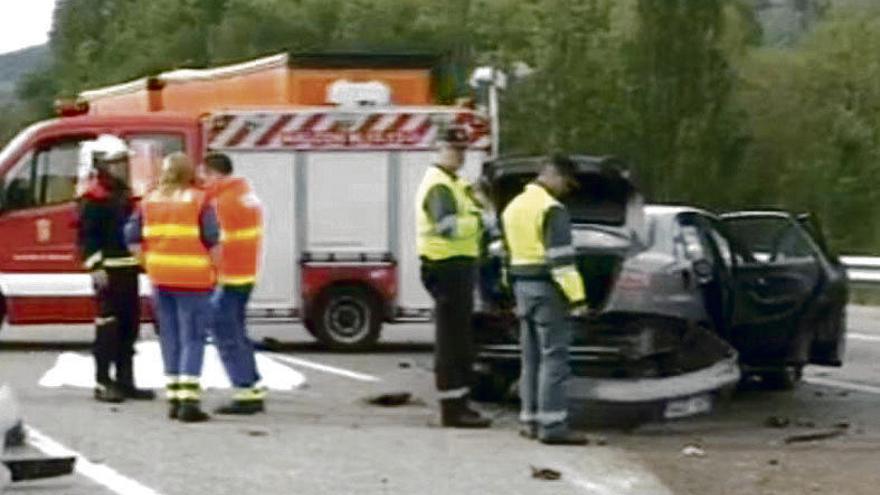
{"x": 109, "y": 392}
{"x": 242, "y": 407}
{"x": 454, "y": 414}
{"x": 561, "y": 436}
{"x": 528, "y": 430}
{"x": 190, "y": 412}
{"x": 132, "y": 392}
{"x": 467, "y": 410}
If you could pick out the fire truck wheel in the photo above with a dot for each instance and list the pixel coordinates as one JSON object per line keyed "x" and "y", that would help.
{"x": 347, "y": 318}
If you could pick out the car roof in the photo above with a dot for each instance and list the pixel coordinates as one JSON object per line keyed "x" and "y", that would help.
{"x": 532, "y": 164}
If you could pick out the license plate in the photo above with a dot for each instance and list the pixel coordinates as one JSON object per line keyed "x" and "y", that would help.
{"x": 688, "y": 407}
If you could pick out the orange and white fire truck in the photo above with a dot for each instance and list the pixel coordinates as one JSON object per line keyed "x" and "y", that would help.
{"x": 334, "y": 145}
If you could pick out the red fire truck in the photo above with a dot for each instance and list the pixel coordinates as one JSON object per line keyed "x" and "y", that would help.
{"x": 335, "y": 154}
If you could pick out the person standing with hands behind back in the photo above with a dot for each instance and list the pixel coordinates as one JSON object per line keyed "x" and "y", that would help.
{"x": 548, "y": 289}
{"x": 176, "y": 228}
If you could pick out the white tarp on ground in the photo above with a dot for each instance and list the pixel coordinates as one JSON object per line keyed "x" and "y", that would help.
{"x": 78, "y": 370}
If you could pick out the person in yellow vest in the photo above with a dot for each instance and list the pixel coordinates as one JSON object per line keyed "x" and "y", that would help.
{"x": 449, "y": 228}
{"x": 176, "y": 228}
{"x": 548, "y": 289}
{"x": 240, "y": 214}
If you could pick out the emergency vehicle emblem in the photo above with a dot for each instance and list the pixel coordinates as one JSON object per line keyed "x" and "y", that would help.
{"x": 44, "y": 230}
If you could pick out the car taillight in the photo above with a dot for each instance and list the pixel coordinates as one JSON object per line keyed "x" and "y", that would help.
{"x": 633, "y": 280}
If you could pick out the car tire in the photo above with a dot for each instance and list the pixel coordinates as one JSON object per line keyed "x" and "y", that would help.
{"x": 785, "y": 378}
{"x": 347, "y": 318}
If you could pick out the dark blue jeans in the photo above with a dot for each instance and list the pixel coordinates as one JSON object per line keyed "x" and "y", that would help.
{"x": 230, "y": 335}
{"x": 183, "y": 319}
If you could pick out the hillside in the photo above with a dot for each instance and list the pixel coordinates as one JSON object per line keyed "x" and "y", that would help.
{"x": 16, "y": 64}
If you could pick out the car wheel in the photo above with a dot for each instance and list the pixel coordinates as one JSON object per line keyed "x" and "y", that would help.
{"x": 785, "y": 378}
{"x": 347, "y": 318}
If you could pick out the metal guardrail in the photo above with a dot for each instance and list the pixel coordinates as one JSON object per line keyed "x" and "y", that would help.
{"x": 863, "y": 271}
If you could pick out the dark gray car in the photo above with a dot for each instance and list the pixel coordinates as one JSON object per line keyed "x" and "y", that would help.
{"x": 685, "y": 300}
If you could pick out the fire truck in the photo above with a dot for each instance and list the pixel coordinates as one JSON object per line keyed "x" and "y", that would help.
{"x": 334, "y": 145}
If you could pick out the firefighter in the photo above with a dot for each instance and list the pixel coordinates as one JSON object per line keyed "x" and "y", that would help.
{"x": 104, "y": 207}
{"x": 176, "y": 229}
{"x": 548, "y": 289}
{"x": 449, "y": 229}
{"x": 240, "y": 215}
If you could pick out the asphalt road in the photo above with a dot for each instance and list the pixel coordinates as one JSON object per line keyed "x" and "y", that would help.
{"x": 324, "y": 438}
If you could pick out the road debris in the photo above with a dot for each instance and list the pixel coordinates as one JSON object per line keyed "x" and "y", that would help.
{"x": 805, "y": 423}
{"x": 812, "y": 437}
{"x": 390, "y": 399}
{"x": 545, "y": 474}
{"x": 257, "y": 432}
{"x": 844, "y": 425}
{"x": 773, "y": 462}
{"x": 693, "y": 451}
{"x": 777, "y": 422}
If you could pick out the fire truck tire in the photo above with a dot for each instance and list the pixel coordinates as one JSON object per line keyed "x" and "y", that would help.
{"x": 347, "y": 318}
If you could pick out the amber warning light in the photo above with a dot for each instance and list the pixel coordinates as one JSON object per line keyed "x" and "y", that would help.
{"x": 71, "y": 108}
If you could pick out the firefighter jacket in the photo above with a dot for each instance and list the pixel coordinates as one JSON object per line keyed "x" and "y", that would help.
{"x": 104, "y": 208}
{"x": 176, "y": 232}
{"x": 240, "y": 216}
{"x": 537, "y": 231}
{"x": 448, "y": 221}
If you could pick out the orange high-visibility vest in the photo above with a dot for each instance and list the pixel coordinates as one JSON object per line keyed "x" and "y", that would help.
{"x": 174, "y": 255}
{"x": 240, "y": 216}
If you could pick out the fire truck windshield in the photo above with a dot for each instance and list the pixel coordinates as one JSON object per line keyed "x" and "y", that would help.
{"x": 18, "y": 141}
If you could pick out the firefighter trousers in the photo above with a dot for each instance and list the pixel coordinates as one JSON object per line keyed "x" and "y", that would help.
{"x": 451, "y": 284}
{"x": 229, "y": 305}
{"x": 183, "y": 320}
{"x": 116, "y": 326}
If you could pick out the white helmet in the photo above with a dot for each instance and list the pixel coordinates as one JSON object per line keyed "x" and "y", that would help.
{"x": 105, "y": 148}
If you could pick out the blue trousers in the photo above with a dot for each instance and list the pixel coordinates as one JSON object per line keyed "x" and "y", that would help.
{"x": 545, "y": 336}
{"x": 230, "y": 335}
{"x": 183, "y": 318}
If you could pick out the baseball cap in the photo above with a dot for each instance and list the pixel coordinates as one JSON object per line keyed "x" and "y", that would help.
{"x": 455, "y": 136}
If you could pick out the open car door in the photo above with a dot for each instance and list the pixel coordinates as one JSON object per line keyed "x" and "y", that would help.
{"x": 777, "y": 276}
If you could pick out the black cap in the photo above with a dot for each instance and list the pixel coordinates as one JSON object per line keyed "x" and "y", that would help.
{"x": 455, "y": 136}
{"x": 565, "y": 166}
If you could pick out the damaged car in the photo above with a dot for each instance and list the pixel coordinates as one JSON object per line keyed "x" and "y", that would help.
{"x": 685, "y": 303}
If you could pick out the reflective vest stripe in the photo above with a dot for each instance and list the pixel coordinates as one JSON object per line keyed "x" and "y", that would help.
{"x": 242, "y": 280}
{"x": 241, "y": 234}
{"x": 171, "y": 230}
{"x": 178, "y": 260}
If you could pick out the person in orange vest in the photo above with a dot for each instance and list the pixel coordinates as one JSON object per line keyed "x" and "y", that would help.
{"x": 176, "y": 229}
{"x": 240, "y": 215}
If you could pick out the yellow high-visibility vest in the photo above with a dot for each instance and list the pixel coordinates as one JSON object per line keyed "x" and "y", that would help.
{"x": 466, "y": 239}
{"x": 523, "y": 222}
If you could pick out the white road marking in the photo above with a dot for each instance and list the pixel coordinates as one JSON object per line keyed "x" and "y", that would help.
{"x": 354, "y": 375}
{"x": 99, "y": 473}
{"x": 830, "y": 382}
{"x": 863, "y": 336}
{"x": 77, "y": 370}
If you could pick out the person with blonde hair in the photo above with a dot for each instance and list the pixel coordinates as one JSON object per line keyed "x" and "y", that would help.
{"x": 176, "y": 228}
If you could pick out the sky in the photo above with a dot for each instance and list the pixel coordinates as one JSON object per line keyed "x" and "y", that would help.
{"x": 24, "y": 23}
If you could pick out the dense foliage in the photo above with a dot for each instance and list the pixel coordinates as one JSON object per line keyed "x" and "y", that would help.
{"x": 683, "y": 89}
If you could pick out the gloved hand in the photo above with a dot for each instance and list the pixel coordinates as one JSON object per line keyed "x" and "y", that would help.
{"x": 100, "y": 280}
{"x": 581, "y": 311}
